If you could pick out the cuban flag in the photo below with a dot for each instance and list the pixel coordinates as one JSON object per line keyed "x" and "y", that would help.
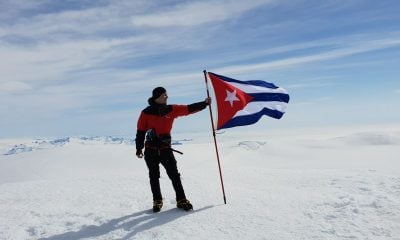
{"x": 243, "y": 103}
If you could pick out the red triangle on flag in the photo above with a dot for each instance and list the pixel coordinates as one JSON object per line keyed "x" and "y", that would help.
{"x": 230, "y": 99}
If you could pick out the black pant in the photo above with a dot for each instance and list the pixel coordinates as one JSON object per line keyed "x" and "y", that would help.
{"x": 153, "y": 159}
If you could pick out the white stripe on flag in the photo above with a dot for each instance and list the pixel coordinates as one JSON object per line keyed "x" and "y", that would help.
{"x": 254, "y": 107}
{"x": 257, "y": 89}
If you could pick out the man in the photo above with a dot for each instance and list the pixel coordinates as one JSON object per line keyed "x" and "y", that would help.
{"x": 155, "y": 124}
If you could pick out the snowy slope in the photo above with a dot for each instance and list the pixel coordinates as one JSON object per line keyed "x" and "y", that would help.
{"x": 311, "y": 184}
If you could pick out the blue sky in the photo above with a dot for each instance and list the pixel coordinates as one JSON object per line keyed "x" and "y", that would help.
{"x": 87, "y": 67}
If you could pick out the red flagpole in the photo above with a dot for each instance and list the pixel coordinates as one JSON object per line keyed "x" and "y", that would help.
{"x": 215, "y": 139}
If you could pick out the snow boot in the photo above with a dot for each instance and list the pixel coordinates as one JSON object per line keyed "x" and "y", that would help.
{"x": 157, "y": 205}
{"x": 184, "y": 204}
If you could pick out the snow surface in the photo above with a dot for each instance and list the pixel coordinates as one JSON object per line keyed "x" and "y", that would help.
{"x": 298, "y": 184}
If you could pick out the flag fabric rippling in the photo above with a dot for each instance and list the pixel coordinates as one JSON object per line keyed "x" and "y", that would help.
{"x": 242, "y": 103}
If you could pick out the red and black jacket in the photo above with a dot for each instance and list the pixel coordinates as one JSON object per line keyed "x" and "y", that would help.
{"x": 159, "y": 118}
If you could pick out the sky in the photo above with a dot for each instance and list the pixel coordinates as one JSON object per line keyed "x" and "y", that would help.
{"x": 88, "y": 67}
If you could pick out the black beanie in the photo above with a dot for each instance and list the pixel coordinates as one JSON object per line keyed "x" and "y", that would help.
{"x": 158, "y": 91}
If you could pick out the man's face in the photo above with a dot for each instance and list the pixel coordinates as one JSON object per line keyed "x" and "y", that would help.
{"x": 162, "y": 99}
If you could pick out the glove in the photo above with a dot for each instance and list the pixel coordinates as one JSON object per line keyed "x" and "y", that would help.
{"x": 139, "y": 153}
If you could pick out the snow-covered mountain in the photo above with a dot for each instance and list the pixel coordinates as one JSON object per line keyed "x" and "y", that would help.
{"x": 22, "y": 146}
{"x": 297, "y": 184}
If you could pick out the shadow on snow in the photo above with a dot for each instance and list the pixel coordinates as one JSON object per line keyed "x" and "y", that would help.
{"x": 133, "y": 224}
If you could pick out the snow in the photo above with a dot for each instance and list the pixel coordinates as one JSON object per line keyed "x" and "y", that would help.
{"x": 297, "y": 184}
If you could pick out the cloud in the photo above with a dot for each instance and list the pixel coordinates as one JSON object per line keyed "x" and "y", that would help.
{"x": 14, "y": 87}
{"x": 10, "y": 9}
{"x": 62, "y": 22}
{"x": 356, "y": 47}
{"x": 197, "y": 13}
{"x": 310, "y": 84}
{"x": 51, "y": 48}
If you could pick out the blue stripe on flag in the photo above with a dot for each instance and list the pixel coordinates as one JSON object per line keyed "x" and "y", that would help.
{"x": 259, "y": 83}
{"x": 252, "y": 118}
{"x": 268, "y": 97}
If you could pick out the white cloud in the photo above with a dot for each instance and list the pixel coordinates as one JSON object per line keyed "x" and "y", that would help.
{"x": 341, "y": 51}
{"x": 196, "y": 13}
{"x": 69, "y": 25}
{"x": 48, "y": 62}
{"x": 310, "y": 85}
{"x": 13, "y": 8}
{"x": 55, "y": 54}
{"x": 14, "y": 87}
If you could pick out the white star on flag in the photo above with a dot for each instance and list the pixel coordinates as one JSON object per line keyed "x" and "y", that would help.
{"x": 231, "y": 97}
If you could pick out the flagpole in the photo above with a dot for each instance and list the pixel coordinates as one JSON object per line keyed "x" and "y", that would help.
{"x": 215, "y": 139}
